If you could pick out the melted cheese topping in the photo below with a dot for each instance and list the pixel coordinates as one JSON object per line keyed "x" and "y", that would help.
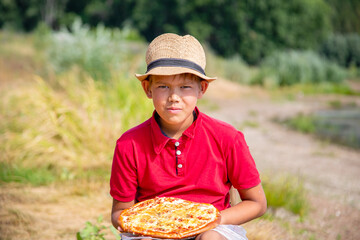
{"x": 168, "y": 215}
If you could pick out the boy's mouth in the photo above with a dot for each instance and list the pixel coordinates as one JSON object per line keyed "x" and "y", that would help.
{"x": 174, "y": 109}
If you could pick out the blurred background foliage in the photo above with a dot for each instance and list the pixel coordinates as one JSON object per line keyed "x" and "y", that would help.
{"x": 250, "y": 29}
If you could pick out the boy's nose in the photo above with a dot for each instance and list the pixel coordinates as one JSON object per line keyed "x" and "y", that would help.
{"x": 174, "y": 97}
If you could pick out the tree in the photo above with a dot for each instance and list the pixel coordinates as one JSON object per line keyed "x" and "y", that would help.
{"x": 345, "y": 16}
{"x": 250, "y": 28}
{"x": 26, "y": 14}
{"x": 281, "y": 24}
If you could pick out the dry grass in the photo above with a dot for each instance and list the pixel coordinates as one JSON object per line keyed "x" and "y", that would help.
{"x": 52, "y": 212}
{"x": 69, "y": 129}
{"x": 263, "y": 229}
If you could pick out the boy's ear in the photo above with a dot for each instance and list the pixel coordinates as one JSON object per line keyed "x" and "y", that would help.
{"x": 203, "y": 87}
{"x": 146, "y": 86}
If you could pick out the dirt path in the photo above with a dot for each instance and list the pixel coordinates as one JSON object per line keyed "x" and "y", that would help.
{"x": 331, "y": 173}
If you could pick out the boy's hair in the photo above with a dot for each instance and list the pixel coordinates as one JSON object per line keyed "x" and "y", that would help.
{"x": 193, "y": 77}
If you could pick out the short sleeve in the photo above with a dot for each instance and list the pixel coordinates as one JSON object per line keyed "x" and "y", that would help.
{"x": 241, "y": 167}
{"x": 123, "y": 180}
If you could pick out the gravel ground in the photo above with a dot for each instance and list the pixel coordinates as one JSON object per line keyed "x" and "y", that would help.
{"x": 330, "y": 172}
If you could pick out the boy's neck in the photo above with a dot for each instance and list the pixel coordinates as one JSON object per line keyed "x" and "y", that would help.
{"x": 175, "y": 132}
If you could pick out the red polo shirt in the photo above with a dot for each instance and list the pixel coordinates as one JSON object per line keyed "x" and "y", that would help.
{"x": 201, "y": 166}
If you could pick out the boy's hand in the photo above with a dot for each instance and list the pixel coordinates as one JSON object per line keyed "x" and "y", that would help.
{"x": 117, "y": 208}
{"x": 252, "y": 205}
{"x": 120, "y": 230}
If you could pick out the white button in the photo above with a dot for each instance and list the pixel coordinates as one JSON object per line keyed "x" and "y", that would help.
{"x": 180, "y": 165}
{"x": 177, "y": 144}
{"x": 178, "y": 152}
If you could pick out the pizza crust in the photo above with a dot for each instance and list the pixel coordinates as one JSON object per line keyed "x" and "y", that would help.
{"x": 169, "y": 218}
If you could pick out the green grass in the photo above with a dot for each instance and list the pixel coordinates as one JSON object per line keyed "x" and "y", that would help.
{"x": 249, "y": 123}
{"x": 286, "y": 192}
{"x": 321, "y": 88}
{"x": 340, "y": 125}
{"x": 303, "y": 123}
{"x": 20, "y": 174}
{"x": 297, "y": 91}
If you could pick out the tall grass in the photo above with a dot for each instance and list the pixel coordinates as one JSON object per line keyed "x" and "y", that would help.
{"x": 66, "y": 131}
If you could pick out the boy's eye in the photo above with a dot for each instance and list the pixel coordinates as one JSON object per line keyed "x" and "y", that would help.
{"x": 186, "y": 86}
{"x": 162, "y": 86}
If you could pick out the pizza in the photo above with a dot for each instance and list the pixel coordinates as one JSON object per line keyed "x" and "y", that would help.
{"x": 169, "y": 218}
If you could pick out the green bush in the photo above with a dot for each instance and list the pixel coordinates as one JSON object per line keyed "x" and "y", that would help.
{"x": 353, "y": 41}
{"x": 293, "y": 67}
{"x": 342, "y": 49}
{"x": 96, "y": 231}
{"x": 96, "y": 51}
{"x": 236, "y": 69}
{"x": 233, "y": 68}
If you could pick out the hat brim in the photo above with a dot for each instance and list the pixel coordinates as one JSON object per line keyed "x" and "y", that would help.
{"x": 168, "y": 71}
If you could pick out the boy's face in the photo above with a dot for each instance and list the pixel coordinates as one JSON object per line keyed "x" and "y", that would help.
{"x": 174, "y": 98}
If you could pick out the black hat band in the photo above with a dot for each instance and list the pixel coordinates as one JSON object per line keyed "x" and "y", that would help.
{"x": 175, "y": 62}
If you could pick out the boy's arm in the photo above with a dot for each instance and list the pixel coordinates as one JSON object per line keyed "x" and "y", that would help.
{"x": 117, "y": 208}
{"x": 253, "y": 205}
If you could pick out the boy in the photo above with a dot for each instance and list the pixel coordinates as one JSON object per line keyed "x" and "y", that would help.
{"x": 181, "y": 152}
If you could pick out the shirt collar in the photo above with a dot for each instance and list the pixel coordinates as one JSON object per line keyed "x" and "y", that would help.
{"x": 160, "y": 140}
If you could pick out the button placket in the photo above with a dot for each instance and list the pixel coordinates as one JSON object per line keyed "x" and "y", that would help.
{"x": 179, "y": 159}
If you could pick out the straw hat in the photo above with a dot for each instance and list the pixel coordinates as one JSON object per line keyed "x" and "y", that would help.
{"x": 170, "y": 54}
